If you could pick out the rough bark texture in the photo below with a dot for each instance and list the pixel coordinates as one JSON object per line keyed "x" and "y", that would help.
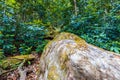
{"x": 68, "y": 57}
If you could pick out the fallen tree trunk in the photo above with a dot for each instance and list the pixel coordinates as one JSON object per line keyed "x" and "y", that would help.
{"x": 68, "y": 57}
{"x": 11, "y": 63}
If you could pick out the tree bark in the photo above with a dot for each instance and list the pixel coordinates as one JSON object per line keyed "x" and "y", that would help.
{"x": 75, "y": 7}
{"x": 68, "y": 57}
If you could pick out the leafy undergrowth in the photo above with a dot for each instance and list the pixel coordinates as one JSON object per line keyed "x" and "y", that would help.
{"x": 32, "y": 68}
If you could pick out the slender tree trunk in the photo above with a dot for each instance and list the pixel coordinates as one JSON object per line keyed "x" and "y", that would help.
{"x": 75, "y": 7}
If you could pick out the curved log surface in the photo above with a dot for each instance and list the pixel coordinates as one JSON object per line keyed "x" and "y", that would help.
{"x": 68, "y": 57}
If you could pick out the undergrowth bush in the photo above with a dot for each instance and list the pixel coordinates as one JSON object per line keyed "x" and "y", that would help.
{"x": 27, "y": 26}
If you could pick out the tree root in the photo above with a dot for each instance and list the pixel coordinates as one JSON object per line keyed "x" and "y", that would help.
{"x": 21, "y": 71}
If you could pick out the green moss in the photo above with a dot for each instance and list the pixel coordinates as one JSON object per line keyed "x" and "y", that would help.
{"x": 52, "y": 73}
{"x": 9, "y": 63}
{"x": 22, "y": 57}
{"x": 12, "y": 62}
{"x": 63, "y": 59}
{"x": 70, "y": 36}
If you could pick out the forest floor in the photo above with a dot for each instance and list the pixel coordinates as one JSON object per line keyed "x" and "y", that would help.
{"x": 31, "y": 74}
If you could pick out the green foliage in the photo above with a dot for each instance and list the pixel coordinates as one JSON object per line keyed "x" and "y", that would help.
{"x": 27, "y": 26}
{"x": 1, "y": 54}
{"x": 40, "y": 47}
{"x": 97, "y": 23}
{"x": 24, "y": 49}
{"x": 21, "y": 31}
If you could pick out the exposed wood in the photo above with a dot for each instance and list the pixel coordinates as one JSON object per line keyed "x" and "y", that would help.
{"x": 68, "y": 57}
{"x": 22, "y": 72}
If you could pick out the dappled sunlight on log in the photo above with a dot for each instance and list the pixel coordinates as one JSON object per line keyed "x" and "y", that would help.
{"x": 69, "y": 57}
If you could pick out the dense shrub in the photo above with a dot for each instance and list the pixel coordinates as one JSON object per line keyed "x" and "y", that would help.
{"x": 27, "y": 26}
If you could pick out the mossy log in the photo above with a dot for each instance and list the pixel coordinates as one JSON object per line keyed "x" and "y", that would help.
{"x": 69, "y": 57}
{"x": 12, "y": 62}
